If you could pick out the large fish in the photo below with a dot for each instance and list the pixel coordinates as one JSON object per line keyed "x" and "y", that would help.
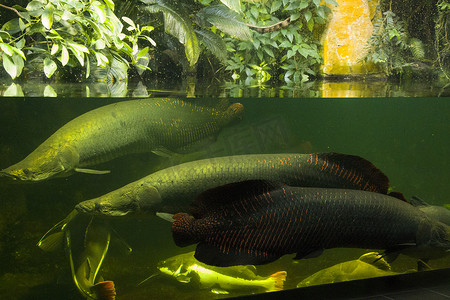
{"x": 186, "y": 269}
{"x": 158, "y": 125}
{"x": 256, "y": 222}
{"x": 172, "y": 189}
{"x": 439, "y": 213}
{"x": 369, "y": 265}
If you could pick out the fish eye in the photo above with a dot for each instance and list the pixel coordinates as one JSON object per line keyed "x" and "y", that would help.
{"x": 26, "y": 171}
{"x": 97, "y": 207}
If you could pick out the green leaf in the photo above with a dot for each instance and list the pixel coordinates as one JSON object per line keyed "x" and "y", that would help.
{"x": 9, "y": 65}
{"x": 14, "y": 90}
{"x": 35, "y": 8}
{"x": 129, "y": 22}
{"x": 321, "y": 12}
{"x": 233, "y": 5}
{"x": 311, "y": 24}
{"x": 142, "y": 53}
{"x": 316, "y": 2}
{"x": 308, "y": 15}
{"x": 64, "y": 56}
{"x": 20, "y": 43}
{"x": 295, "y": 16}
{"x": 49, "y": 91}
{"x": 110, "y": 4}
{"x": 333, "y": 2}
{"x": 102, "y": 60}
{"x": 269, "y": 51}
{"x": 99, "y": 11}
{"x": 7, "y": 49}
{"x": 49, "y": 67}
{"x": 303, "y": 5}
{"x": 100, "y": 44}
{"x": 55, "y": 49}
{"x": 275, "y": 6}
{"x": 67, "y": 16}
{"x": 47, "y": 17}
{"x": 79, "y": 47}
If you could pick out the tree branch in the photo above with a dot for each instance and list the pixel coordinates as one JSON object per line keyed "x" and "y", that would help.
{"x": 13, "y": 9}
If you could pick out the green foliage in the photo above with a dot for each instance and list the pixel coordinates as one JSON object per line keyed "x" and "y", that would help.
{"x": 190, "y": 22}
{"x": 390, "y": 45}
{"x": 290, "y": 54}
{"x": 70, "y": 33}
{"x": 442, "y": 42}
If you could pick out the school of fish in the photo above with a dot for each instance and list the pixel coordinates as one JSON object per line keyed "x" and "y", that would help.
{"x": 240, "y": 210}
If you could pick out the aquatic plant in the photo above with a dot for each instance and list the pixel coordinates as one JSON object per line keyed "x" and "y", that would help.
{"x": 290, "y": 54}
{"x": 71, "y": 33}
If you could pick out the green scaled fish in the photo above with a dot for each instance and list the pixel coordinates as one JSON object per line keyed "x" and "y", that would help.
{"x": 186, "y": 269}
{"x": 172, "y": 189}
{"x": 369, "y": 265}
{"x": 158, "y": 125}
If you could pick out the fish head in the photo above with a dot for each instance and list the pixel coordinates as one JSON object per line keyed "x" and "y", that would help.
{"x": 41, "y": 165}
{"x": 129, "y": 200}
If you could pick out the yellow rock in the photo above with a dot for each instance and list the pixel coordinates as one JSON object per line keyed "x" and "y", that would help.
{"x": 344, "y": 41}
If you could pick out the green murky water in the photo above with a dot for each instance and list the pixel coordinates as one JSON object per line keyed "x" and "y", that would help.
{"x": 407, "y": 138}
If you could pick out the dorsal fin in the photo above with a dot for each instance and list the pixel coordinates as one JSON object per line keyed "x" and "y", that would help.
{"x": 416, "y": 201}
{"x": 377, "y": 180}
{"x": 236, "y": 191}
{"x": 398, "y": 195}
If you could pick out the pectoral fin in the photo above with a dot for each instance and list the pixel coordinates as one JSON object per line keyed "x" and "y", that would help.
{"x": 165, "y": 216}
{"x": 90, "y": 171}
{"x": 183, "y": 278}
{"x": 161, "y": 151}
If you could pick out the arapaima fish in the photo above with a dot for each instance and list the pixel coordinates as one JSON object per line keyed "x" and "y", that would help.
{"x": 256, "y": 222}
{"x": 172, "y": 189}
{"x": 186, "y": 269}
{"x": 157, "y": 125}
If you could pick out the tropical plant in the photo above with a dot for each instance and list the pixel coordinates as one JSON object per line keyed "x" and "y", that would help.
{"x": 442, "y": 42}
{"x": 390, "y": 45}
{"x": 198, "y": 25}
{"x": 70, "y": 33}
{"x": 290, "y": 54}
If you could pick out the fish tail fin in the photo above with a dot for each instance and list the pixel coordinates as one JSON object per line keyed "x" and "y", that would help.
{"x": 105, "y": 290}
{"x": 234, "y": 111}
{"x": 183, "y": 230}
{"x": 277, "y": 281}
{"x": 53, "y": 239}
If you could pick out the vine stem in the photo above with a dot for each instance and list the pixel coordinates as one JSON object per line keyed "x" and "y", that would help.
{"x": 13, "y": 9}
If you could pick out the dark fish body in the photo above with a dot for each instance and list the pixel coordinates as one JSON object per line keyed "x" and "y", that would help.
{"x": 439, "y": 213}
{"x": 118, "y": 129}
{"x": 254, "y": 223}
{"x": 177, "y": 186}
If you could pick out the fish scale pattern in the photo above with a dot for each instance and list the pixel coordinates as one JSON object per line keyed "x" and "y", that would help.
{"x": 310, "y": 170}
{"x": 303, "y": 220}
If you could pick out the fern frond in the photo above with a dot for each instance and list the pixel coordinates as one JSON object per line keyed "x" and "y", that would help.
{"x": 417, "y": 48}
{"x": 213, "y": 43}
{"x": 226, "y": 20}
